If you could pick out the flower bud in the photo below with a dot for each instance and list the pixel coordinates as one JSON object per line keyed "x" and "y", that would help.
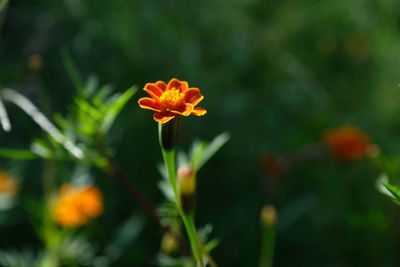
{"x": 169, "y": 133}
{"x": 35, "y": 63}
{"x": 268, "y": 216}
{"x": 169, "y": 243}
{"x": 187, "y": 187}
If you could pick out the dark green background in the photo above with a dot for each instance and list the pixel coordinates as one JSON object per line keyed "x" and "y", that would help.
{"x": 275, "y": 75}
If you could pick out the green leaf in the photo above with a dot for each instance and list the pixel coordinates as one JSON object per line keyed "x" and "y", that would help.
{"x": 91, "y": 85}
{"x": 100, "y": 98}
{"x": 86, "y": 107}
{"x": 40, "y": 148}
{"x": 115, "y": 108}
{"x": 212, "y": 244}
{"x": 17, "y": 154}
{"x": 14, "y": 258}
{"x": 202, "y": 151}
{"x": 4, "y": 120}
{"x": 394, "y": 190}
{"x": 31, "y": 110}
{"x": 71, "y": 69}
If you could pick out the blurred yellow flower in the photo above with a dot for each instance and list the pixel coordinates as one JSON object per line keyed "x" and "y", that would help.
{"x": 8, "y": 185}
{"x": 75, "y": 206}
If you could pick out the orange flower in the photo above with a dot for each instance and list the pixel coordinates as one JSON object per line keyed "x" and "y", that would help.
{"x": 172, "y": 99}
{"x": 8, "y": 185}
{"x": 76, "y": 206}
{"x": 90, "y": 201}
{"x": 348, "y": 142}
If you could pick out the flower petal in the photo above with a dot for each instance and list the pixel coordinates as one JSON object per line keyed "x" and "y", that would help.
{"x": 199, "y": 111}
{"x": 162, "y": 85}
{"x": 153, "y": 89}
{"x": 193, "y": 96}
{"x": 184, "y": 110}
{"x": 175, "y": 83}
{"x": 163, "y": 117}
{"x": 149, "y": 103}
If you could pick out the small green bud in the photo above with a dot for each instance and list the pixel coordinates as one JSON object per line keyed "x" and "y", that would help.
{"x": 35, "y": 63}
{"x": 268, "y": 216}
{"x": 169, "y": 243}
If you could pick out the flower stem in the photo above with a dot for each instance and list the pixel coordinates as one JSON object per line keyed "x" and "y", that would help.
{"x": 193, "y": 238}
{"x": 267, "y": 246}
{"x": 169, "y": 161}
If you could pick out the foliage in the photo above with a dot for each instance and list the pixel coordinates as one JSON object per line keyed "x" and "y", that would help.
{"x": 275, "y": 76}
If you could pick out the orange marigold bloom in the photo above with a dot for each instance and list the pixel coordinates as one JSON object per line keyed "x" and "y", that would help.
{"x": 76, "y": 206}
{"x": 8, "y": 185}
{"x": 172, "y": 99}
{"x": 347, "y": 142}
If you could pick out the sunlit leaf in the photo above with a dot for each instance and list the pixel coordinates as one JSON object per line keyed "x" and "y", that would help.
{"x": 4, "y": 120}
{"x": 212, "y": 244}
{"x": 31, "y": 110}
{"x": 17, "y": 154}
{"x": 91, "y": 86}
{"x": 202, "y": 151}
{"x": 395, "y": 191}
{"x": 40, "y": 148}
{"x": 85, "y": 106}
{"x": 114, "y": 109}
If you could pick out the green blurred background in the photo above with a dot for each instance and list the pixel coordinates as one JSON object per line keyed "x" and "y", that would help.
{"x": 275, "y": 75}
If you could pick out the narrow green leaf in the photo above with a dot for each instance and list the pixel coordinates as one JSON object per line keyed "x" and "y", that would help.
{"x": 4, "y": 120}
{"x": 211, "y": 149}
{"x": 88, "y": 109}
{"x": 196, "y": 153}
{"x": 40, "y": 148}
{"x": 100, "y": 99}
{"x": 212, "y": 244}
{"x": 92, "y": 83}
{"x": 17, "y": 154}
{"x": 71, "y": 69}
{"x": 115, "y": 108}
{"x": 394, "y": 190}
{"x": 31, "y": 110}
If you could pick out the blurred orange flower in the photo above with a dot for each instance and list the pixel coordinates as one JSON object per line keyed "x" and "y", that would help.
{"x": 171, "y": 100}
{"x": 8, "y": 185}
{"x": 348, "y": 142}
{"x": 75, "y": 206}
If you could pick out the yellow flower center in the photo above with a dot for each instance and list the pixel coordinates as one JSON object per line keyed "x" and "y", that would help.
{"x": 171, "y": 99}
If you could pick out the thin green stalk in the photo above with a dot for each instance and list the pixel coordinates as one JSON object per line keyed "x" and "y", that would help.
{"x": 169, "y": 161}
{"x": 267, "y": 246}
{"x": 193, "y": 238}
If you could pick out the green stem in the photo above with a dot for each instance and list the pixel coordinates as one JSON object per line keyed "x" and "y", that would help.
{"x": 193, "y": 238}
{"x": 169, "y": 161}
{"x": 267, "y": 246}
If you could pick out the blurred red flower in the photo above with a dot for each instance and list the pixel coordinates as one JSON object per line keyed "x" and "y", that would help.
{"x": 347, "y": 142}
